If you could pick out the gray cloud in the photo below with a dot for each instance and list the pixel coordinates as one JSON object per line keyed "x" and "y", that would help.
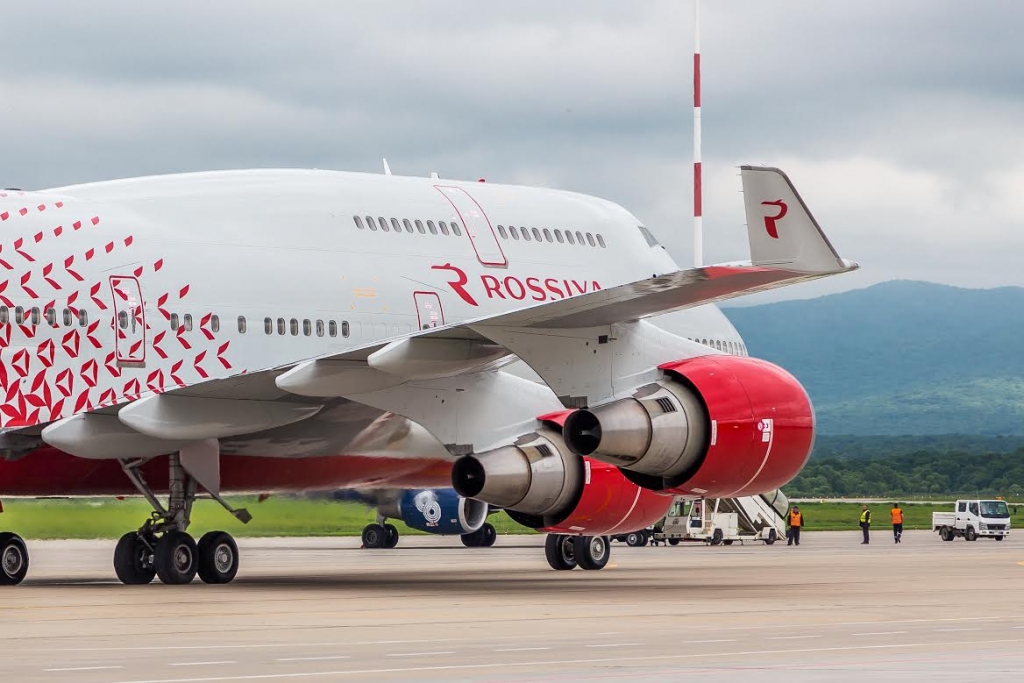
{"x": 899, "y": 122}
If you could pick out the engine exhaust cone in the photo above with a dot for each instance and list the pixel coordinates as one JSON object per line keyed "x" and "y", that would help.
{"x": 582, "y": 432}
{"x": 468, "y": 477}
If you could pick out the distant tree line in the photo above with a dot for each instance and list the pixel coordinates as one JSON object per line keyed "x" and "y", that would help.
{"x": 919, "y": 473}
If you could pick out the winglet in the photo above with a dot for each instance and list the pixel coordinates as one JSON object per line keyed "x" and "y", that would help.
{"x": 782, "y": 231}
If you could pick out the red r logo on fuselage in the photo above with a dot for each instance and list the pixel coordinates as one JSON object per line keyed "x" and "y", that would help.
{"x": 459, "y": 284}
{"x": 770, "y": 221}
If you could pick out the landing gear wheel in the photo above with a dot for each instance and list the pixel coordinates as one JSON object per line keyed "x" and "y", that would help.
{"x": 392, "y": 532}
{"x": 716, "y": 537}
{"x": 176, "y": 558}
{"x": 133, "y": 560}
{"x": 592, "y": 552}
{"x": 13, "y": 559}
{"x": 490, "y": 535}
{"x": 970, "y": 534}
{"x": 560, "y": 552}
{"x": 772, "y": 537}
{"x": 635, "y": 539}
{"x": 374, "y": 536}
{"x": 218, "y": 557}
{"x": 673, "y": 541}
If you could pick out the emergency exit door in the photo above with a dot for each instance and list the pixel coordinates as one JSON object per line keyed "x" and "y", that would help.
{"x": 129, "y": 321}
{"x": 478, "y": 227}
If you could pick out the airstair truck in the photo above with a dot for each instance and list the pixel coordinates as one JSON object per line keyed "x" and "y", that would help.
{"x": 723, "y": 521}
{"x": 973, "y": 518}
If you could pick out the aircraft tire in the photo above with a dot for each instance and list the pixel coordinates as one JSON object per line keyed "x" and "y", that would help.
{"x": 218, "y": 557}
{"x": 392, "y": 535}
{"x": 374, "y": 536}
{"x": 13, "y": 559}
{"x": 176, "y": 558}
{"x": 560, "y": 552}
{"x": 131, "y": 561}
{"x": 490, "y": 535}
{"x": 592, "y": 552}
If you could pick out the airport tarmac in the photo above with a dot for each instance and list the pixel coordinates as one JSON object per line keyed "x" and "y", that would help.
{"x": 431, "y": 610}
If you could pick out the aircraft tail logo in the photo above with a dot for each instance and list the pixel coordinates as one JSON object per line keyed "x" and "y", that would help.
{"x": 770, "y": 221}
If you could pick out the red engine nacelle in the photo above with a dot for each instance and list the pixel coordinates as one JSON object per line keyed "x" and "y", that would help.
{"x": 716, "y": 426}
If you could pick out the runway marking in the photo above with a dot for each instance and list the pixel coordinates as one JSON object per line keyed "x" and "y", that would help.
{"x": 421, "y": 654}
{"x": 312, "y": 659}
{"x": 793, "y": 637}
{"x": 85, "y": 668}
{"x": 202, "y": 663}
{"x": 519, "y": 649}
{"x": 702, "y": 642}
{"x": 880, "y": 633}
{"x": 958, "y": 630}
{"x": 561, "y": 662}
{"x": 615, "y": 645}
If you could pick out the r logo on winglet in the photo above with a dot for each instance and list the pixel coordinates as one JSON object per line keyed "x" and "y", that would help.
{"x": 770, "y": 221}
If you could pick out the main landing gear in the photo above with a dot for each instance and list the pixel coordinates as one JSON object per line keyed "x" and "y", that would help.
{"x": 568, "y": 552}
{"x": 380, "y": 534}
{"x": 13, "y": 559}
{"x": 484, "y": 537}
{"x": 163, "y": 548}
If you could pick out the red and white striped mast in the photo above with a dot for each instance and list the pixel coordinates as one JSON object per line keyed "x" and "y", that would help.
{"x": 698, "y": 219}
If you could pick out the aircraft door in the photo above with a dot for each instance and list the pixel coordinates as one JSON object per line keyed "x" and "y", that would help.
{"x": 129, "y": 321}
{"x": 428, "y": 310}
{"x": 477, "y": 225}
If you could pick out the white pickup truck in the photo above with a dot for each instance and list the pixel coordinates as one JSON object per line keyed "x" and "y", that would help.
{"x": 973, "y": 518}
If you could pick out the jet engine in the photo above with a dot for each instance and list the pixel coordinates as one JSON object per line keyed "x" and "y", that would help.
{"x": 440, "y": 511}
{"x": 543, "y": 485}
{"x": 716, "y": 426}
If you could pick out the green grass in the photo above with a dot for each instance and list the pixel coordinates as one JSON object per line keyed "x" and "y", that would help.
{"x": 284, "y": 516}
{"x": 276, "y": 516}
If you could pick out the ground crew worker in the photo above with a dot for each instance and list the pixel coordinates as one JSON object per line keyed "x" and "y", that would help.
{"x": 865, "y": 523}
{"x": 896, "y": 514}
{"x": 795, "y": 520}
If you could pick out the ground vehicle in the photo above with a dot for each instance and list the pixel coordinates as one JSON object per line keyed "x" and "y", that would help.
{"x": 973, "y": 518}
{"x": 722, "y": 521}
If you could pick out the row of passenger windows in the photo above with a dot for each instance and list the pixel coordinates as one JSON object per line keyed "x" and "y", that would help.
{"x": 309, "y": 327}
{"x": 735, "y": 348}
{"x": 32, "y": 316}
{"x": 545, "y": 236}
{"x": 394, "y": 224}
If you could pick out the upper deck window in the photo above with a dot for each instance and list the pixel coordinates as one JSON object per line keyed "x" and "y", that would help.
{"x": 652, "y": 241}
{"x": 419, "y": 226}
{"x": 359, "y": 222}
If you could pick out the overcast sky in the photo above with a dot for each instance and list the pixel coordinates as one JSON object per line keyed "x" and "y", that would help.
{"x": 901, "y": 123}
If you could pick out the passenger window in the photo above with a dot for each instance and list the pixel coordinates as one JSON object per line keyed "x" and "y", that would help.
{"x": 526, "y": 234}
{"x": 547, "y": 234}
{"x": 558, "y": 236}
{"x": 83, "y": 318}
{"x": 36, "y": 318}
{"x": 344, "y": 328}
{"x": 174, "y": 321}
{"x": 962, "y": 507}
{"x": 501, "y": 231}
{"x": 407, "y": 224}
{"x": 359, "y": 222}
{"x": 19, "y": 315}
{"x": 215, "y": 323}
{"x": 579, "y": 238}
{"x": 370, "y": 222}
{"x": 51, "y": 317}
{"x": 241, "y": 324}
{"x": 395, "y": 224}
{"x": 268, "y": 325}
{"x": 319, "y": 328}
{"x": 68, "y": 320}
{"x": 444, "y": 227}
{"x": 307, "y": 328}
{"x": 293, "y": 326}
{"x": 419, "y": 226}
{"x": 515, "y": 233}
{"x": 431, "y": 227}
{"x": 280, "y": 326}
{"x": 187, "y": 319}
{"x": 600, "y": 240}
{"x": 122, "y": 320}
{"x": 332, "y": 328}
{"x": 383, "y": 223}
{"x": 456, "y": 229}
{"x": 568, "y": 237}
{"x": 5, "y": 315}
{"x": 590, "y": 239}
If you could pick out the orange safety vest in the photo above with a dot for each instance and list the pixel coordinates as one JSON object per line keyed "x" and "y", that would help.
{"x": 897, "y": 515}
{"x": 796, "y": 519}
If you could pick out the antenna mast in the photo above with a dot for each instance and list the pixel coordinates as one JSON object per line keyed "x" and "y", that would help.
{"x": 698, "y": 219}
